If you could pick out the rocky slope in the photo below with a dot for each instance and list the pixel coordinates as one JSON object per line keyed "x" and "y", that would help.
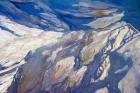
{"x": 74, "y": 62}
{"x": 104, "y": 59}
